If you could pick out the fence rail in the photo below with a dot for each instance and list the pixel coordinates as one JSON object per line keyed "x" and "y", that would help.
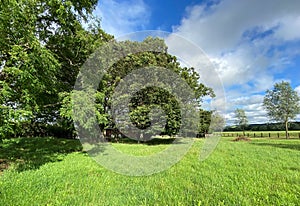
{"x": 261, "y": 134}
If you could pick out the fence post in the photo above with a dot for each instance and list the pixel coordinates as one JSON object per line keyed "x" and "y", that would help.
{"x": 254, "y": 134}
{"x": 278, "y": 134}
{"x": 261, "y": 134}
{"x": 269, "y": 135}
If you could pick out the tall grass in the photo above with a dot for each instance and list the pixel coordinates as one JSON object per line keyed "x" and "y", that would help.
{"x": 259, "y": 172}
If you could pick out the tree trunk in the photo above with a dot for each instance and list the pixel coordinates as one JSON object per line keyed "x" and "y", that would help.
{"x": 286, "y": 130}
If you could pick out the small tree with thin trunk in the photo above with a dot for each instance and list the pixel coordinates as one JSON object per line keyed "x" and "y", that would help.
{"x": 217, "y": 122}
{"x": 241, "y": 119}
{"x": 282, "y": 104}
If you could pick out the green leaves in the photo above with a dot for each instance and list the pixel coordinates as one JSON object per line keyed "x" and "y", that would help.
{"x": 154, "y": 55}
{"x": 241, "y": 119}
{"x": 42, "y": 46}
{"x": 282, "y": 103}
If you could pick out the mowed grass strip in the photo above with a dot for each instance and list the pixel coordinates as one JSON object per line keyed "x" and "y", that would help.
{"x": 259, "y": 172}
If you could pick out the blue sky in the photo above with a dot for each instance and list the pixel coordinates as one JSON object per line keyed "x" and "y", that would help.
{"x": 251, "y": 43}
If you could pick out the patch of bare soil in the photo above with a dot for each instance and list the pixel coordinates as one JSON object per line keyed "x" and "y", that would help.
{"x": 241, "y": 138}
{"x": 3, "y": 165}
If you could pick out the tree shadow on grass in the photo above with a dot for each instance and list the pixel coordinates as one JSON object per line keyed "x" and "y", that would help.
{"x": 31, "y": 153}
{"x": 287, "y": 145}
{"x": 153, "y": 141}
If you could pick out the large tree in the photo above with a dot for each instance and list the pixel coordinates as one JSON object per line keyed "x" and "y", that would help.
{"x": 241, "y": 119}
{"x": 205, "y": 121}
{"x": 282, "y": 103}
{"x": 142, "y": 103}
{"x": 42, "y": 46}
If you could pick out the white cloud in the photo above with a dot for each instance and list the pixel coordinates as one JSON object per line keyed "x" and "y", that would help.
{"x": 221, "y": 27}
{"x": 252, "y": 106}
{"x": 231, "y": 33}
{"x": 119, "y": 18}
{"x": 289, "y": 28}
{"x": 242, "y": 40}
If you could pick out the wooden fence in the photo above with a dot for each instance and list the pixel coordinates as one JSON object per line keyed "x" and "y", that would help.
{"x": 261, "y": 134}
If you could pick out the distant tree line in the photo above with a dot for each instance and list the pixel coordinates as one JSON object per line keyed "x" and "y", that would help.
{"x": 264, "y": 127}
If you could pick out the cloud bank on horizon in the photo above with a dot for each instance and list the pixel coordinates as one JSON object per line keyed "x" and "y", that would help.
{"x": 252, "y": 43}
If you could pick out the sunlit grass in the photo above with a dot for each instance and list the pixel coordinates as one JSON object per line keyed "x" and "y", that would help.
{"x": 259, "y": 172}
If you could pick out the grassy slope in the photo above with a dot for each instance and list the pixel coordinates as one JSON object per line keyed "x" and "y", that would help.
{"x": 260, "y": 172}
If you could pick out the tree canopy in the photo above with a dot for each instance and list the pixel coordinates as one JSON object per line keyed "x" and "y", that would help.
{"x": 241, "y": 119}
{"x": 217, "y": 123}
{"x": 43, "y": 45}
{"x": 282, "y": 103}
{"x": 146, "y": 98}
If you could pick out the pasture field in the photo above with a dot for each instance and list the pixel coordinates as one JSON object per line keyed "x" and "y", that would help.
{"x": 271, "y": 134}
{"x": 47, "y": 171}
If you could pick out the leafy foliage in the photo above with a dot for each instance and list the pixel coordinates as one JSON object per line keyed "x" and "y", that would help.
{"x": 142, "y": 102}
{"x": 266, "y": 127}
{"x": 42, "y": 46}
{"x": 282, "y": 103}
{"x": 217, "y": 122}
{"x": 241, "y": 119}
{"x": 205, "y": 120}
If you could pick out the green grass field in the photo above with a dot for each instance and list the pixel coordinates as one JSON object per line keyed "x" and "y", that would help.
{"x": 56, "y": 172}
{"x": 271, "y": 134}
